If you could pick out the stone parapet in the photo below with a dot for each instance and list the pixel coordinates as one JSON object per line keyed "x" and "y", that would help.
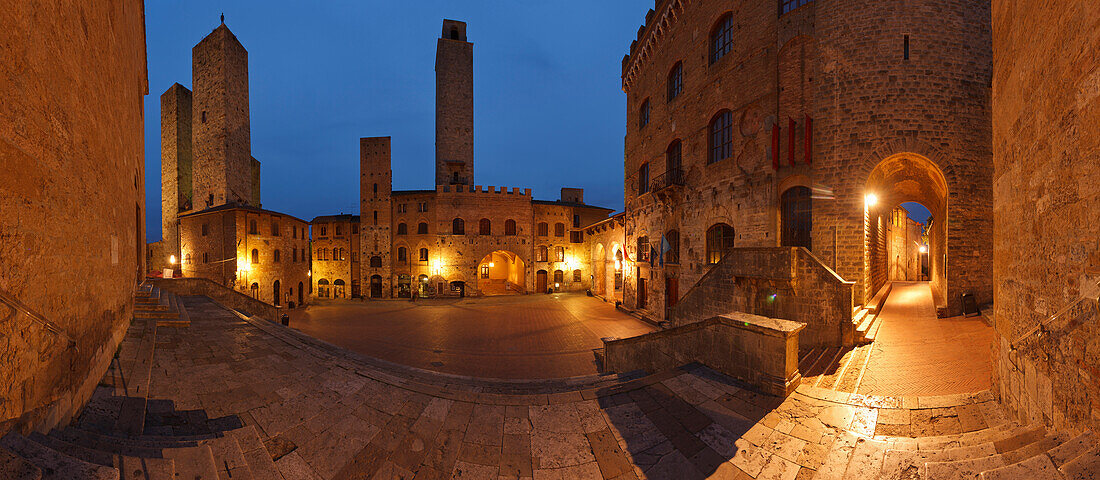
{"x": 475, "y": 189}
{"x": 223, "y": 295}
{"x": 760, "y": 351}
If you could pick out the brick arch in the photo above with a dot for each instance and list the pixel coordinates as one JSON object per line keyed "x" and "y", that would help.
{"x": 909, "y": 146}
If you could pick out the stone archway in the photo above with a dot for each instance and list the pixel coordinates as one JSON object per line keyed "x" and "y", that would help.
{"x": 900, "y": 178}
{"x": 599, "y": 266}
{"x": 502, "y": 272}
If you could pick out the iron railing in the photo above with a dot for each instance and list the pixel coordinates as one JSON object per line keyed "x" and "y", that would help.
{"x": 19, "y": 306}
{"x": 1075, "y": 309}
{"x": 673, "y": 177}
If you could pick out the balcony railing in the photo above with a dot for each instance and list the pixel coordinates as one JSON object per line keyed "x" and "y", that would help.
{"x": 674, "y": 177}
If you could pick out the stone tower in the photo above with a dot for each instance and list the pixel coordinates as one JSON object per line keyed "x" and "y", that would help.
{"x": 175, "y": 162}
{"x": 223, "y": 169}
{"x": 375, "y": 211}
{"x": 454, "y": 106}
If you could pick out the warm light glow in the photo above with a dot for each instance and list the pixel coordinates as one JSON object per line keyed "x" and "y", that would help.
{"x": 923, "y": 249}
{"x": 172, "y": 259}
{"x": 492, "y": 264}
{"x": 309, "y": 273}
{"x": 871, "y": 199}
{"x": 557, "y": 285}
{"x": 618, "y": 264}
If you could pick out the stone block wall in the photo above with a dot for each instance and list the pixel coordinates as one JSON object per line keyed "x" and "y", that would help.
{"x": 779, "y": 282}
{"x": 220, "y": 121}
{"x": 225, "y": 296}
{"x": 376, "y": 235}
{"x": 454, "y": 106}
{"x": 1046, "y": 192}
{"x": 760, "y": 351}
{"x": 330, "y": 266}
{"x": 175, "y": 164}
{"x": 72, "y": 199}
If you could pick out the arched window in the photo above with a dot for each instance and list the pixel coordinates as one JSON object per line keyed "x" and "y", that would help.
{"x": 576, "y": 275}
{"x": 509, "y": 227}
{"x": 255, "y": 288}
{"x": 675, "y": 81}
{"x": 376, "y": 261}
{"x": 719, "y": 240}
{"x": 454, "y": 34}
{"x": 544, "y": 229}
{"x": 255, "y": 256}
{"x": 643, "y": 249}
{"x": 671, "y": 249}
{"x": 540, "y": 253}
{"x": 559, "y": 229}
{"x": 423, "y": 254}
{"x": 673, "y": 162}
{"x": 721, "y": 38}
{"x": 458, "y": 227}
{"x": 187, "y": 259}
{"x": 275, "y": 256}
{"x": 402, "y": 255}
{"x": 422, "y": 228}
{"x": 252, "y": 227}
{"x": 402, "y": 229}
{"x": 559, "y": 276}
{"x": 721, "y": 137}
{"x": 643, "y": 114}
{"x": 274, "y": 229}
{"x": 643, "y": 179}
{"x": 559, "y": 254}
{"x": 485, "y": 227}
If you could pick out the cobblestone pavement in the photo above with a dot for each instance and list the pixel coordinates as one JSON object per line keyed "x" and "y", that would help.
{"x": 324, "y": 412}
{"x": 916, "y": 353}
{"x": 530, "y": 336}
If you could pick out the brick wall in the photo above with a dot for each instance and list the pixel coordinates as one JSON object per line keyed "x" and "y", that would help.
{"x": 840, "y": 63}
{"x": 376, "y": 207}
{"x": 1046, "y": 138}
{"x": 72, "y": 225}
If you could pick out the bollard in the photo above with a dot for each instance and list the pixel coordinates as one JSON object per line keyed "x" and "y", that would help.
{"x": 286, "y": 320}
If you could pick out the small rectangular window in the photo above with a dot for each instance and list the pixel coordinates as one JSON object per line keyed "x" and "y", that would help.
{"x": 906, "y": 47}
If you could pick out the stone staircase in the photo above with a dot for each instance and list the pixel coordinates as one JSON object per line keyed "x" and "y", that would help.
{"x": 122, "y": 434}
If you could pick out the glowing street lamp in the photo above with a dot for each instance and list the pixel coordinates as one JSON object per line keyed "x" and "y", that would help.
{"x": 870, "y": 199}
{"x": 923, "y": 249}
{"x": 171, "y": 259}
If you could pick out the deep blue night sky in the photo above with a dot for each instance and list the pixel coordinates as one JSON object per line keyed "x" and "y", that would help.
{"x": 548, "y": 105}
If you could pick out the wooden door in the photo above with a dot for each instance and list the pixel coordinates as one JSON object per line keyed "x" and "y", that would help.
{"x": 540, "y": 281}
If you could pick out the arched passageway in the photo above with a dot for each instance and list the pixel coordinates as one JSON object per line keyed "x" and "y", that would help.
{"x": 896, "y": 180}
{"x": 502, "y": 273}
{"x": 599, "y": 267}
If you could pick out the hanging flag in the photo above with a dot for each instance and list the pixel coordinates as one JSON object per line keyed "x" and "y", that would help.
{"x": 665, "y": 246}
{"x": 808, "y": 135}
{"x": 775, "y": 146}
{"x": 790, "y": 140}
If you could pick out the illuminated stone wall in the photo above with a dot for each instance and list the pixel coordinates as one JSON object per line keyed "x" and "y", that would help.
{"x": 72, "y": 199}
{"x": 1046, "y": 192}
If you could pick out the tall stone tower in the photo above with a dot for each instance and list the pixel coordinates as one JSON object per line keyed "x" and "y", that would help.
{"x": 375, "y": 183}
{"x": 175, "y": 162}
{"x": 220, "y": 121}
{"x": 454, "y": 106}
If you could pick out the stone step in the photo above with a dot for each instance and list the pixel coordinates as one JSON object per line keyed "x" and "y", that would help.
{"x": 1009, "y": 451}
{"x": 1038, "y": 467}
{"x": 1072, "y": 449}
{"x": 193, "y": 463}
{"x": 259, "y": 461}
{"x": 110, "y": 445}
{"x": 151, "y": 307}
{"x": 155, "y": 314}
{"x": 54, "y": 464}
{"x": 228, "y": 457}
{"x": 91, "y": 439}
{"x": 1084, "y": 466}
{"x": 173, "y": 323}
{"x": 134, "y": 468}
{"x": 131, "y": 417}
{"x": 996, "y": 433}
{"x": 905, "y": 463}
{"x": 14, "y": 467}
{"x": 97, "y": 457}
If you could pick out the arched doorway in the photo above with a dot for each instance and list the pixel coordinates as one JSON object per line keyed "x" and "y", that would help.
{"x": 322, "y": 288}
{"x": 423, "y": 286}
{"x": 502, "y": 273}
{"x": 796, "y": 214}
{"x": 301, "y": 296}
{"x": 617, "y": 273}
{"x": 540, "y": 281}
{"x": 276, "y": 294}
{"x": 900, "y": 179}
{"x": 459, "y": 287}
{"x": 376, "y": 286}
{"x": 404, "y": 286}
{"x": 338, "y": 288}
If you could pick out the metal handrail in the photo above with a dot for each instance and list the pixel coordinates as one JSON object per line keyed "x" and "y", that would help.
{"x": 671, "y": 177}
{"x": 1088, "y": 296}
{"x": 19, "y": 306}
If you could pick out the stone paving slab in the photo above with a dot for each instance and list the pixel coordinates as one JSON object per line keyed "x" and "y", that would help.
{"x": 322, "y": 412}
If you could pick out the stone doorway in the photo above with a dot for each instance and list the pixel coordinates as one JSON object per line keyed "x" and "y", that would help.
{"x": 376, "y": 286}
{"x": 540, "y": 281}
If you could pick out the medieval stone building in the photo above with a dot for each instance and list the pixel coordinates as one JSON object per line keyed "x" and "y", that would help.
{"x": 805, "y": 126}
{"x": 457, "y": 238}
{"x": 212, "y": 223}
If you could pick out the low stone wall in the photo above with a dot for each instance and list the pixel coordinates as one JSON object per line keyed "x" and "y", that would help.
{"x": 776, "y": 282}
{"x": 760, "y": 351}
{"x": 221, "y": 294}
